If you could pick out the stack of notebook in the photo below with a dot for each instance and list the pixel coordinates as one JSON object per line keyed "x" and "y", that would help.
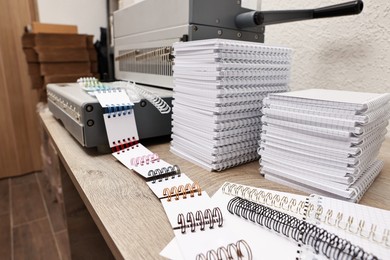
{"x": 218, "y": 93}
{"x": 324, "y": 141}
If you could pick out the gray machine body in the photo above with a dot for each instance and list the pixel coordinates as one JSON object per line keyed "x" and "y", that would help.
{"x": 144, "y": 33}
{"x": 82, "y": 115}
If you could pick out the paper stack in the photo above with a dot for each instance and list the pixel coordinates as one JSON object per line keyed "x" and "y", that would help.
{"x": 324, "y": 141}
{"x": 218, "y": 93}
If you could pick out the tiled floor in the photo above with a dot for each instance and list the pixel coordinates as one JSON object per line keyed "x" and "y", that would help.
{"x": 32, "y": 223}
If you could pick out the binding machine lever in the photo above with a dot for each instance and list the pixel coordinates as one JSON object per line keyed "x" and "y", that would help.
{"x": 261, "y": 18}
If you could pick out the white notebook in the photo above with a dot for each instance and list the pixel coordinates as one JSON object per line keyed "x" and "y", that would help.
{"x": 324, "y": 140}
{"x": 347, "y": 100}
{"x": 352, "y": 192}
{"x": 218, "y": 93}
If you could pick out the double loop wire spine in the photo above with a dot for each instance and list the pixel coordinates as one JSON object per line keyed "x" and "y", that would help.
{"x": 183, "y": 190}
{"x": 320, "y": 240}
{"x": 240, "y": 250}
{"x": 164, "y": 173}
{"x": 144, "y": 159}
{"x": 201, "y": 219}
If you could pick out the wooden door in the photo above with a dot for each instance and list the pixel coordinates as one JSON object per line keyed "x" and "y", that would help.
{"x": 19, "y": 126}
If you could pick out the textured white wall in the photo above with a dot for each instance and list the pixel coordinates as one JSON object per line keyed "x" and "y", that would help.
{"x": 351, "y": 53}
{"x": 88, "y": 15}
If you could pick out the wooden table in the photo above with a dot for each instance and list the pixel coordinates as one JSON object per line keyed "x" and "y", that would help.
{"x": 125, "y": 211}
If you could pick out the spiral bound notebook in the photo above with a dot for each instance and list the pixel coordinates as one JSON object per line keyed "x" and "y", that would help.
{"x": 324, "y": 141}
{"x": 226, "y": 231}
{"x": 327, "y": 227}
{"x": 219, "y": 88}
{"x": 347, "y": 100}
{"x": 118, "y": 117}
{"x": 312, "y": 183}
{"x": 363, "y": 226}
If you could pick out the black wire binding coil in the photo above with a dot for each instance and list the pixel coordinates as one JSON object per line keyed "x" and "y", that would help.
{"x": 202, "y": 219}
{"x": 330, "y": 217}
{"x": 183, "y": 190}
{"x": 231, "y": 251}
{"x": 164, "y": 173}
{"x": 330, "y": 245}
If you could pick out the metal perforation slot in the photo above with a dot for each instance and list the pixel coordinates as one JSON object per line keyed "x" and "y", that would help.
{"x": 151, "y": 61}
{"x": 71, "y": 108}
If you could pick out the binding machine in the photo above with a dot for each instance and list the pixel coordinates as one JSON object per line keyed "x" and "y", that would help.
{"x": 143, "y": 36}
{"x": 145, "y": 31}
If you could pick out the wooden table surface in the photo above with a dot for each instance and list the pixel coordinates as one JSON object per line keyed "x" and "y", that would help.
{"x": 127, "y": 213}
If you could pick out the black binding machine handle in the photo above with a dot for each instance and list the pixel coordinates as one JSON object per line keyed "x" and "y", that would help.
{"x": 261, "y": 18}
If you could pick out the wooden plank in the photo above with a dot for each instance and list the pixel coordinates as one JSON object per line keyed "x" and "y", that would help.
{"x": 33, "y": 7}
{"x": 128, "y": 214}
{"x": 82, "y": 230}
{"x": 34, "y": 69}
{"x": 94, "y": 67}
{"x": 90, "y": 42}
{"x": 30, "y": 40}
{"x": 62, "y": 54}
{"x": 92, "y": 54}
{"x": 37, "y": 27}
{"x": 31, "y": 54}
{"x": 20, "y": 138}
{"x": 36, "y": 81}
{"x": 30, "y": 96}
{"x": 65, "y": 78}
{"x": 64, "y": 68}
{"x": 9, "y": 163}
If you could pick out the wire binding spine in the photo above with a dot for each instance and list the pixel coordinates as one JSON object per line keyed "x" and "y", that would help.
{"x": 164, "y": 173}
{"x": 371, "y": 138}
{"x": 374, "y": 126}
{"x": 243, "y": 145}
{"x": 183, "y": 191}
{"x": 224, "y": 157}
{"x": 200, "y": 219}
{"x": 320, "y": 240}
{"x": 124, "y": 144}
{"x": 376, "y": 103}
{"x": 311, "y": 211}
{"x": 382, "y": 112}
{"x": 235, "y": 162}
{"x": 239, "y": 123}
{"x": 363, "y": 182}
{"x": 265, "y": 198}
{"x": 90, "y": 83}
{"x": 238, "y": 250}
{"x": 155, "y": 100}
{"x": 145, "y": 159}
